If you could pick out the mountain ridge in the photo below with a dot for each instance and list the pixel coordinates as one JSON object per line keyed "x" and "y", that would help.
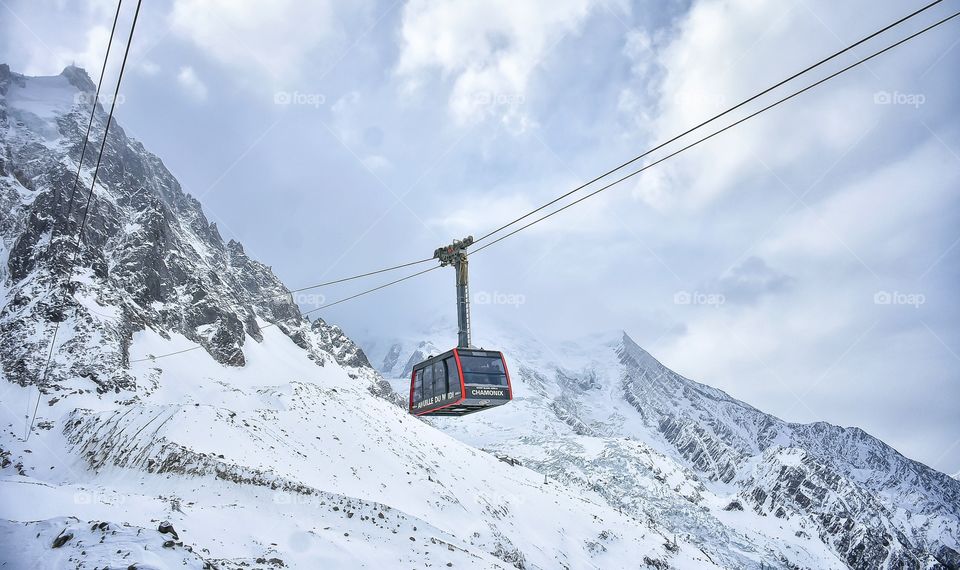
{"x": 907, "y": 513}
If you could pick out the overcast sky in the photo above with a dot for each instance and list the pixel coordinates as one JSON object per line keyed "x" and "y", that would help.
{"x": 806, "y": 262}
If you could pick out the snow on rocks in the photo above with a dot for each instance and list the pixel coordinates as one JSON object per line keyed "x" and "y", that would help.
{"x": 67, "y": 542}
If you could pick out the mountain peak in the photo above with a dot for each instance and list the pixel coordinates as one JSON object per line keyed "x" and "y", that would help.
{"x": 630, "y": 350}
{"x": 627, "y": 340}
{"x": 79, "y": 78}
{"x": 234, "y": 246}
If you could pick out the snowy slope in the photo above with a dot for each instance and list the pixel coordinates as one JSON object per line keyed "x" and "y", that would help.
{"x": 312, "y": 469}
{"x": 604, "y": 414}
{"x": 272, "y": 445}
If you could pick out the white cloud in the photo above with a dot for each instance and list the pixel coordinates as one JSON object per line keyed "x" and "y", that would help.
{"x": 91, "y": 58}
{"x": 486, "y": 50}
{"x": 39, "y": 57}
{"x": 483, "y": 212}
{"x": 469, "y": 218}
{"x": 899, "y": 197}
{"x": 148, "y": 68}
{"x": 352, "y": 129}
{"x": 750, "y": 280}
{"x": 272, "y": 39}
{"x": 725, "y": 51}
{"x": 188, "y": 80}
{"x": 41, "y": 38}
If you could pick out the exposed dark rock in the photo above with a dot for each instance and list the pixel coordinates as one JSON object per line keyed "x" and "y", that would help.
{"x": 62, "y": 539}
{"x": 344, "y": 350}
{"x": 948, "y": 557}
{"x": 734, "y": 506}
{"x": 167, "y": 528}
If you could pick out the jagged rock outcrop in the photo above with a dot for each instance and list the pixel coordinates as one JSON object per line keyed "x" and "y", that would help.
{"x": 344, "y": 350}
{"x": 149, "y": 259}
{"x": 877, "y": 508}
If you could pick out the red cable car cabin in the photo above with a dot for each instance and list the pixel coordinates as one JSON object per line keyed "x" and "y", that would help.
{"x": 459, "y": 382}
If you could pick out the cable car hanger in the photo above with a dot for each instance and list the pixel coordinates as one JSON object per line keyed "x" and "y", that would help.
{"x": 465, "y": 379}
{"x": 455, "y": 254}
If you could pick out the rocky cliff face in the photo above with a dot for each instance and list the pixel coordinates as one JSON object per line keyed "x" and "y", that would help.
{"x": 148, "y": 258}
{"x": 875, "y": 506}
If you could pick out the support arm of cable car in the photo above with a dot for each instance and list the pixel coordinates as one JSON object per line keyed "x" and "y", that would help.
{"x": 456, "y": 254}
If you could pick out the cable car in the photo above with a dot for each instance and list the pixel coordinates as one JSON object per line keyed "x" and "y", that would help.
{"x": 458, "y": 382}
{"x": 465, "y": 379}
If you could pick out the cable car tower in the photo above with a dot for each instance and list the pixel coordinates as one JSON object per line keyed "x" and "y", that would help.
{"x": 455, "y": 254}
{"x": 465, "y": 379}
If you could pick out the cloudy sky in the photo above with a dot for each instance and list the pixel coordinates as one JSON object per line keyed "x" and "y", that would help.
{"x": 806, "y": 261}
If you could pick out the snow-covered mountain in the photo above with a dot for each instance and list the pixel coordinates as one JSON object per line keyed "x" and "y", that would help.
{"x": 276, "y": 444}
{"x": 603, "y": 414}
{"x": 272, "y": 445}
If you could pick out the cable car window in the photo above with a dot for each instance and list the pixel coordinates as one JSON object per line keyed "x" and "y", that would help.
{"x": 483, "y": 370}
{"x": 428, "y": 382}
{"x": 439, "y": 379}
{"x": 453, "y": 375}
{"x": 418, "y": 387}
